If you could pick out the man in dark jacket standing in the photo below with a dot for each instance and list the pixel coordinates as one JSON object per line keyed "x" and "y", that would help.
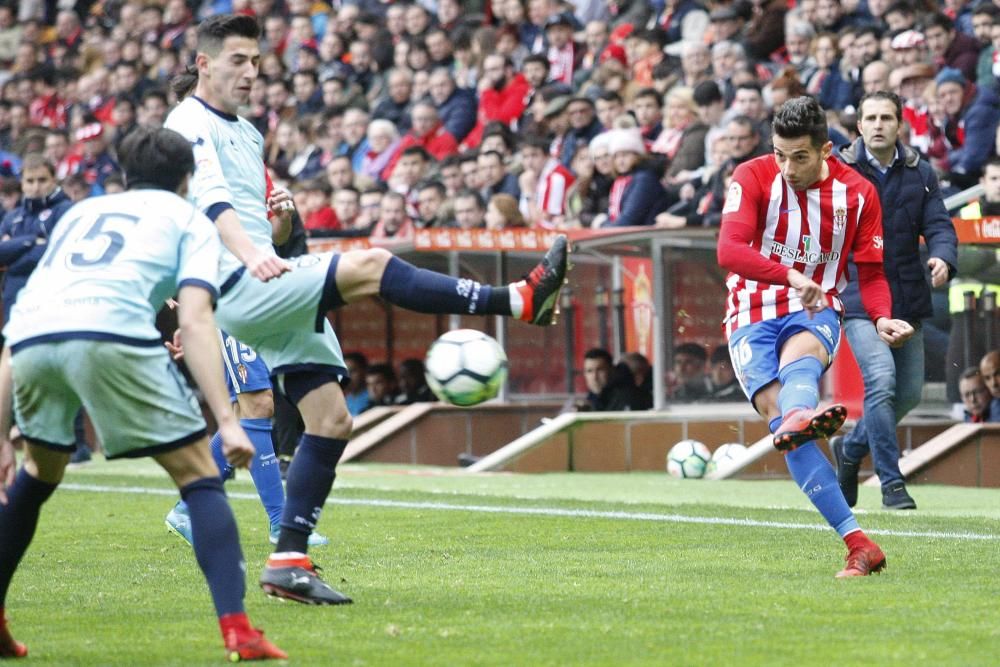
{"x": 911, "y": 207}
{"x": 25, "y": 230}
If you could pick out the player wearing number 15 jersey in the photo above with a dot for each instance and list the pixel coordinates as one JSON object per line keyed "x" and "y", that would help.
{"x": 83, "y": 333}
{"x": 788, "y": 224}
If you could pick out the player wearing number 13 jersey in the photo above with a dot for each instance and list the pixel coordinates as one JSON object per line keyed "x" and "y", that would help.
{"x": 789, "y": 222}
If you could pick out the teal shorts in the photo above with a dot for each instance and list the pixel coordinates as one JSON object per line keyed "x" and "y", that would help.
{"x": 136, "y": 398}
{"x": 284, "y": 319}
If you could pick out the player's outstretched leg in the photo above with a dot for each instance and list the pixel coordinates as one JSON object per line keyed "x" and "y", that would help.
{"x": 534, "y": 299}
{"x": 813, "y": 473}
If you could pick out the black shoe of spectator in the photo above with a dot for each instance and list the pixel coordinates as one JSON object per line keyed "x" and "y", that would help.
{"x": 847, "y": 472}
{"x": 465, "y": 460}
{"x": 897, "y": 498}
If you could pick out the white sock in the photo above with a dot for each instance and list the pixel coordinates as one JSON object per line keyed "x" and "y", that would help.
{"x": 516, "y": 301}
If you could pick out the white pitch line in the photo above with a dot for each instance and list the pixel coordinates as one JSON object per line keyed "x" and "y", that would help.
{"x": 554, "y": 512}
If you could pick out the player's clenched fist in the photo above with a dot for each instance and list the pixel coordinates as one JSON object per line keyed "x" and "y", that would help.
{"x": 236, "y": 446}
{"x": 810, "y": 294}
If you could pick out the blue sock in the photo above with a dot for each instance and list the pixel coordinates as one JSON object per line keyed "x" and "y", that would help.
{"x": 225, "y": 470}
{"x": 426, "y": 291}
{"x": 264, "y": 468}
{"x": 799, "y": 384}
{"x": 216, "y": 543}
{"x": 310, "y": 478}
{"x": 18, "y": 520}
{"x": 815, "y": 476}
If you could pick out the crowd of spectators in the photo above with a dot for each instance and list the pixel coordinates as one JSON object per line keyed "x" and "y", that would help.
{"x": 386, "y": 117}
{"x": 979, "y": 387}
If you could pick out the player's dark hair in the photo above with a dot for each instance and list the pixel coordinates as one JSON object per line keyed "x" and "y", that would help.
{"x": 211, "y": 34}
{"x": 156, "y": 158}
{"x": 882, "y": 95}
{"x": 801, "y": 117}
{"x": 599, "y": 353}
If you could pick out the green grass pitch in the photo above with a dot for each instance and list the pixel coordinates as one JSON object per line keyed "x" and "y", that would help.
{"x": 453, "y": 569}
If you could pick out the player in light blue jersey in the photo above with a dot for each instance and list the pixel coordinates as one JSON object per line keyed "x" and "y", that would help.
{"x": 83, "y": 334}
{"x": 280, "y": 307}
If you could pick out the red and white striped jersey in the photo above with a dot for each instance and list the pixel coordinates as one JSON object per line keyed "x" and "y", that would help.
{"x": 550, "y": 197}
{"x": 812, "y": 231}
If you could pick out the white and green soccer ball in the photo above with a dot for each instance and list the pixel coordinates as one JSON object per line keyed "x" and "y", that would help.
{"x": 726, "y": 455}
{"x": 688, "y": 459}
{"x": 465, "y": 367}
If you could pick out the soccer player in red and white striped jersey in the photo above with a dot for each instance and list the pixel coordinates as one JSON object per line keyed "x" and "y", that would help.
{"x": 788, "y": 224}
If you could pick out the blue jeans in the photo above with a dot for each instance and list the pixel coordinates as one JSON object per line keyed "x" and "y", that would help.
{"x": 894, "y": 380}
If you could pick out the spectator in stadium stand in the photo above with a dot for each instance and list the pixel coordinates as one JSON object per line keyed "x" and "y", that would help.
{"x": 689, "y": 381}
{"x": 339, "y": 173}
{"x": 709, "y": 103}
{"x": 432, "y": 205}
{"x": 912, "y": 209}
{"x": 842, "y": 87}
{"x": 583, "y": 126}
{"x": 989, "y": 203}
{"x": 985, "y": 17}
{"x": 95, "y": 163}
{"x": 455, "y": 106}
{"x": 682, "y": 140}
{"x": 10, "y": 34}
{"x": 10, "y": 191}
{"x": 972, "y": 117}
{"x": 502, "y": 213}
{"x": 949, "y": 47}
{"x": 900, "y": 15}
{"x": 383, "y": 144}
{"x": 306, "y": 92}
{"x": 153, "y": 108}
{"x": 765, "y": 33}
{"x": 681, "y": 19}
{"x": 354, "y": 129}
{"x": 647, "y": 107}
{"x": 610, "y": 387}
{"x": 595, "y": 42}
{"x": 498, "y": 137}
{"x": 502, "y": 95}
{"x": 76, "y": 187}
{"x": 642, "y": 372}
{"x": 394, "y": 106}
{"x": 469, "y": 166}
{"x": 721, "y": 377}
{"x": 413, "y": 384}
{"x": 47, "y": 109}
{"x": 346, "y": 204}
{"x": 356, "y": 391}
{"x": 989, "y": 370}
{"x": 798, "y": 38}
{"x": 413, "y": 167}
{"x": 428, "y": 133}
{"x": 439, "y": 48}
{"x": 370, "y": 203}
{"x": 494, "y": 177}
{"x": 469, "y": 210}
{"x": 382, "y": 385}
{"x": 975, "y": 396}
{"x": 645, "y": 53}
{"x": 393, "y": 222}
{"x": 587, "y": 199}
{"x": 748, "y": 101}
{"x": 637, "y": 196}
{"x": 565, "y": 55}
{"x": 544, "y": 183}
{"x": 727, "y": 22}
{"x": 450, "y": 171}
{"x": 874, "y": 77}
{"x": 316, "y": 212}
{"x": 609, "y": 106}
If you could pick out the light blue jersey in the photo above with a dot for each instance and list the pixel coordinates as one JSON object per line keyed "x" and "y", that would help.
{"x": 229, "y": 170}
{"x": 111, "y": 263}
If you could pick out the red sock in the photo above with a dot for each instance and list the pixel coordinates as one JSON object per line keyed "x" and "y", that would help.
{"x": 857, "y": 540}
{"x": 236, "y": 628}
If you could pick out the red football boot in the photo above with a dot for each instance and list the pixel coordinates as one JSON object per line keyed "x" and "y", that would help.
{"x": 863, "y": 561}
{"x": 802, "y": 426}
{"x": 10, "y": 647}
{"x": 254, "y": 648}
